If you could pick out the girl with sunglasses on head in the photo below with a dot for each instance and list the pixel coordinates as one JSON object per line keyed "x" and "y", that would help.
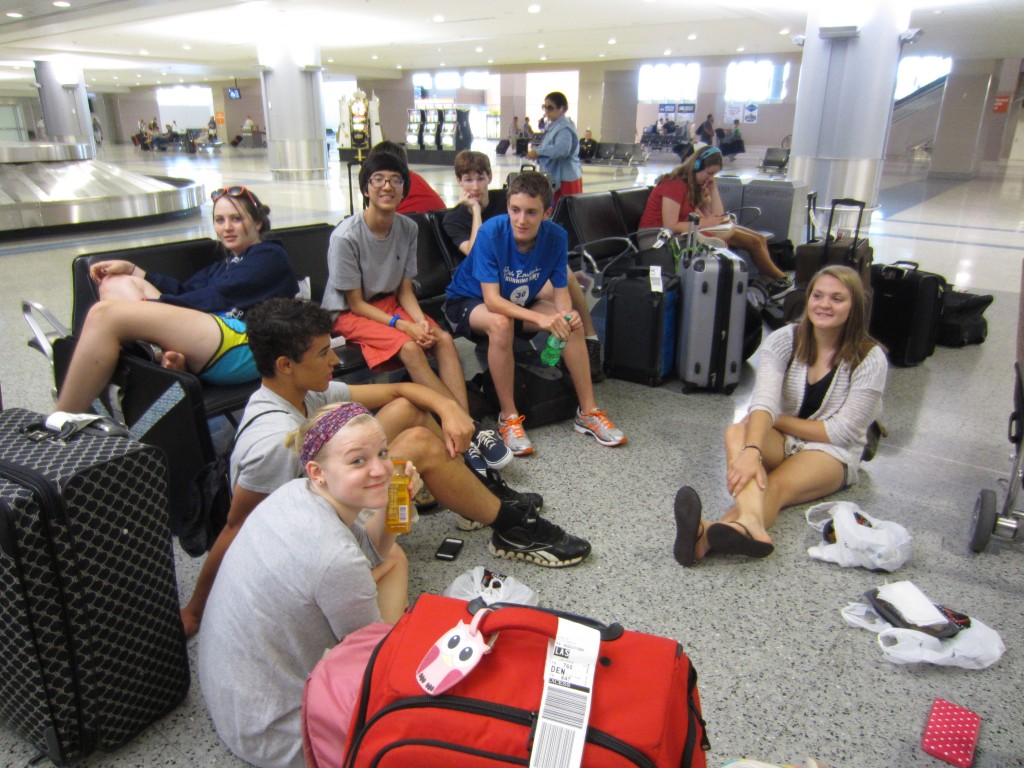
{"x": 559, "y": 152}
{"x": 819, "y": 387}
{"x": 691, "y": 188}
{"x": 197, "y": 323}
{"x": 302, "y": 575}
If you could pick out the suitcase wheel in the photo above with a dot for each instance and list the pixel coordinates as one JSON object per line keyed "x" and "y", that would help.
{"x": 983, "y": 521}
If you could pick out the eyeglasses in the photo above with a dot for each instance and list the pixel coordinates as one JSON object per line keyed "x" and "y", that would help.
{"x": 377, "y": 181}
{"x": 217, "y": 194}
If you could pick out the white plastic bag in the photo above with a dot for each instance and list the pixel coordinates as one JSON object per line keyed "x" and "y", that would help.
{"x": 883, "y": 545}
{"x": 977, "y": 647}
{"x": 492, "y": 586}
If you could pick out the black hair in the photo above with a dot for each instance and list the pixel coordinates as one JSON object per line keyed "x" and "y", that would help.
{"x": 558, "y": 99}
{"x": 284, "y": 327}
{"x": 383, "y": 161}
{"x": 389, "y": 148}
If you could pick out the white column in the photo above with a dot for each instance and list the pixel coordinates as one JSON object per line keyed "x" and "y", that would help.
{"x": 65, "y": 104}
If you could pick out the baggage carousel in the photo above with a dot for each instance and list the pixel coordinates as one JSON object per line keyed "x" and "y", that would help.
{"x": 54, "y": 185}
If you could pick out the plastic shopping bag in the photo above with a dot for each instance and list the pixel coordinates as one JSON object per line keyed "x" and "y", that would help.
{"x": 492, "y": 586}
{"x": 851, "y": 537}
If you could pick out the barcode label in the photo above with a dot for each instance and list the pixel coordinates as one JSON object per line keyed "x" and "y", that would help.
{"x": 565, "y": 705}
{"x": 403, "y": 513}
{"x": 553, "y": 746}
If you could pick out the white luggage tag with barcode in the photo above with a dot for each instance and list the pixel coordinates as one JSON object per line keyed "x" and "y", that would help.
{"x": 656, "y": 285}
{"x": 453, "y": 656}
{"x": 568, "y": 690}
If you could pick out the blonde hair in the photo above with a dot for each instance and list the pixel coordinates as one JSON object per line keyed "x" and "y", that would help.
{"x": 854, "y": 340}
{"x": 295, "y": 439}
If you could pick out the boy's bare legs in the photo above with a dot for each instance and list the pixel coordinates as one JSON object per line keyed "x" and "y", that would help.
{"x": 414, "y": 359}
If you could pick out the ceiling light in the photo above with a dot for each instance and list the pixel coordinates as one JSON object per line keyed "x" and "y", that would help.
{"x": 741, "y": 49}
{"x": 398, "y": 66}
{"x": 540, "y": 45}
{"x": 601, "y": 55}
{"x": 533, "y": 8}
{"x": 61, "y": 4}
{"x": 479, "y": 49}
{"x": 14, "y": 15}
{"x": 543, "y": 58}
{"x": 784, "y": 31}
{"x": 938, "y": 12}
{"x": 143, "y": 52}
{"x": 438, "y": 19}
{"x": 441, "y": 64}
{"x": 611, "y": 41}
{"x": 668, "y": 51}
{"x": 330, "y": 61}
{"x": 490, "y": 61}
{"x": 692, "y": 36}
{"x": 115, "y": 77}
{"x": 375, "y": 57}
{"x": 186, "y": 47}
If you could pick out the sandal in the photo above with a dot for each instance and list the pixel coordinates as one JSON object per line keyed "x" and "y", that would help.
{"x": 689, "y": 527}
{"x": 722, "y": 537}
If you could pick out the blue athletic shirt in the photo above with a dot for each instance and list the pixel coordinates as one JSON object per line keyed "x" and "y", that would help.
{"x": 496, "y": 259}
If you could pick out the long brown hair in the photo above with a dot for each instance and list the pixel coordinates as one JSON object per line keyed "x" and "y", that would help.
{"x": 854, "y": 340}
{"x": 687, "y": 172}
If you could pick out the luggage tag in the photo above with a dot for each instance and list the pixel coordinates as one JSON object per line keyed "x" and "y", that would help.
{"x": 454, "y": 656}
{"x": 655, "y": 277}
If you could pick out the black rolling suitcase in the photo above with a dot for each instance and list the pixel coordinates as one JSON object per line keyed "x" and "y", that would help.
{"x": 712, "y": 319}
{"x": 641, "y": 327}
{"x": 905, "y": 310}
{"x": 502, "y": 147}
{"x": 92, "y": 648}
{"x": 522, "y": 147}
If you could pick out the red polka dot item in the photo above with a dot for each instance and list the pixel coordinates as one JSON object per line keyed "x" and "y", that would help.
{"x": 951, "y": 733}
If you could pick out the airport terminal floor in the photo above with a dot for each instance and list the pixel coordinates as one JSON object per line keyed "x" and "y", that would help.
{"x": 781, "y": 676}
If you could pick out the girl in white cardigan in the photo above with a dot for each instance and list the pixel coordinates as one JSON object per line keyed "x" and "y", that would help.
{"x": 819, "y": 386}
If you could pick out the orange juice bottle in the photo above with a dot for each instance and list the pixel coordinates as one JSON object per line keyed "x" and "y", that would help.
{"x": 399, "y": 503}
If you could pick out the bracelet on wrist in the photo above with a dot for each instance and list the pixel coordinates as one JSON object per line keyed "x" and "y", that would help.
{"x": 760, "y": 455}
{"x": 394, "y": 321}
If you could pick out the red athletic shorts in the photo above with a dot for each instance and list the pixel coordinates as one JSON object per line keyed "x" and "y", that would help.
{"x": 379, "y": 341}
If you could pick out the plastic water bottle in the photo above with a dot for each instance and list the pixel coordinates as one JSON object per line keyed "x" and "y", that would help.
{"x": 552, "y": 351}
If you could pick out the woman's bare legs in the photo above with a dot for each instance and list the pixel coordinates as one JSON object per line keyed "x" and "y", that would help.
{"x": 110, "y": 324}
{"x": 755, "y": 244}
{"x": 126, "y": 288}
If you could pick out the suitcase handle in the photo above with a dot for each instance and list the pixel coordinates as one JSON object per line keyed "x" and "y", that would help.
{"x": 910, "y": 264}
{"x": 535, "y": 619}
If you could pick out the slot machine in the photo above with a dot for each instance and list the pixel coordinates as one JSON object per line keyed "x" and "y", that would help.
{"x": 414, "y": 129}
{"x": 448, "y": 130}
{"x": 431, "y": 129}
{"x": 359, "y": 122}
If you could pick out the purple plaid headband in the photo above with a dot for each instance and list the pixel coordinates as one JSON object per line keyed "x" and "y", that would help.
{"x": 327, "y": 427}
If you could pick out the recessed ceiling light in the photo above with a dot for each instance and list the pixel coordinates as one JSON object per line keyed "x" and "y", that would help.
{"x": 441, "y": 64}
{"x": 691, "y": 36}
{"x": 115, "y": 77}
{"x": 938, "y": 12}
{"x": 540, "y": 45}
{"x": 533, "y": 8}
{"x": 741, "y": 49}
{"x": 14, "y": 15}
{"x": 330, "y": 61}
{"x": 611, "y": 41}
{"x": 543, "y": 58}
{"x": 186, "y": 47}
{"x": 438, "y": 19}
{"x": 61, "y": 4}
{"x": 479, "y": 49}
{"x": 490, "y": 61}
{"x": 375, "y": 57}
{"x": 181, "y": 80}
{"x": 784, "y": 31}
{"x": 398, "y": 66}
{"x": 143, "y": 52}
{"x": 164, "y": 74}
{"x": 601, "y": 55}
{"x": 159, "y": 82}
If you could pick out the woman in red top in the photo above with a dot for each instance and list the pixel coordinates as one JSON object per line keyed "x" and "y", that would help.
{"x": 691, "y": 188}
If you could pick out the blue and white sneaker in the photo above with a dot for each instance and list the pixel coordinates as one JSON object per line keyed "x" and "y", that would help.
{"x": 475, "y": 461}
{"x": 492, "y": 448}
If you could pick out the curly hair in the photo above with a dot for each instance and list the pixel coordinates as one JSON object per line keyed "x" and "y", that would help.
{"x": 286, "y": 327}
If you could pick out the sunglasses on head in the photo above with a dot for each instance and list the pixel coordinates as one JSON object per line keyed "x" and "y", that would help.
{"x": 217, "y": 194}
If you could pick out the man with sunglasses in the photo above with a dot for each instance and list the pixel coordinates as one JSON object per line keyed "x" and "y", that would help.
{"x": 371, "y": 261}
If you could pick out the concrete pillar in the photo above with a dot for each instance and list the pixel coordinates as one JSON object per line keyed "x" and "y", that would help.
{"x": 513, "y": 100}
{"x": 618, "y": 106}
{"x": 291, "y": 78}
{"x": 845, "y": 98}
{"x": 963, "y": 117}
{"x": 65, "y": 104}
{"x": 591, "y": 100}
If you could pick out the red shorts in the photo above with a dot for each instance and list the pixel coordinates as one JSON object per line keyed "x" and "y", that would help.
{"x": 378, "y": 341}
{"x": 567, "y": 188}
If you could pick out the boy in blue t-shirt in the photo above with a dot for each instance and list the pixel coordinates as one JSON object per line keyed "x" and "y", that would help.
{"x": 515, "y": 279}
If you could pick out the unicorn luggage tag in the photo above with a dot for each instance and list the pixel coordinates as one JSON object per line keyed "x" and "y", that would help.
{"x": 454, "y": 656}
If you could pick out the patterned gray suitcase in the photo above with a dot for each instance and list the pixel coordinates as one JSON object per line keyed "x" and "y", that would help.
{"x": 91, "y": 644}
{"x": 712, "y": 319}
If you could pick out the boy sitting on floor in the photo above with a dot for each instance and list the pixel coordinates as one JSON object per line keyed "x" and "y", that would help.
{"x": 516, "y": 278}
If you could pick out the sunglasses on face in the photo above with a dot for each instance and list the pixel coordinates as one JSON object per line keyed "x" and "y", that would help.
{"x": 378, "y": 182}
{"x": 217, "y": 194}
{"x": 548, "y": 107}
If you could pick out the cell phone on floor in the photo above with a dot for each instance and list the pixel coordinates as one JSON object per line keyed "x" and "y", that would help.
{"x": 449, "y": 549}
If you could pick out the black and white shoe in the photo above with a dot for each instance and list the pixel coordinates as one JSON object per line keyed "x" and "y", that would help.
{"x": 492, "y": 448}
{"x": 541, "y": 542}
{"x": 505, "y": 492}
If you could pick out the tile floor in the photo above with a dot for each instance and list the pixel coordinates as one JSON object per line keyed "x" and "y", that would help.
{"x": 781, "y": 676}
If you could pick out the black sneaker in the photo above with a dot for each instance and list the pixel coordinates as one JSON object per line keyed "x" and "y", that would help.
{"x": 492, "y": 448}
{"x": 594, "y": 353}
{"x": 505, "y": 492}
{"x": 538, "y": 541}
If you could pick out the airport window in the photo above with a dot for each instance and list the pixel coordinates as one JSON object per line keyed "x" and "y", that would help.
{"x": 423, "y": 80}
{"x": 668, "y": 82}
{"x": 915, "y": 72}
{"x": 756, "y": 81}
{"x": 447, "y": 81}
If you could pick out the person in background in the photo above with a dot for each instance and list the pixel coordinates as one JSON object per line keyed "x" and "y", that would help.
{"x": 420, "y": 197}
{"x": 819, "y": 387}
{"x": 706, "y": 131}
{"x": 528, "y": 132}
{"x": 211, "y": 129}
{"x": 476, "y": 205}
{"x": 559, "y": 152}
{"x": 588, "y": 147}
{"x": 515, "y": 279}
{"x": 199, "y": 324}
{"x": 691, "y": 188}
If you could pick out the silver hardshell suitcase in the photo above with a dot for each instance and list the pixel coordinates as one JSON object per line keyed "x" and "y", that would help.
{"x": 91, "y": 644}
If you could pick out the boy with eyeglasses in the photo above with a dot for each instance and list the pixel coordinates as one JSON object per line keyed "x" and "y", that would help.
{"x": 371, "y": 262}
{"x": 475, "y": 206}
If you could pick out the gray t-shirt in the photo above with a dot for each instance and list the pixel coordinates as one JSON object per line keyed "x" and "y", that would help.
{"x": 356, "y": 258}
{"x": 294, "y": 582}
{"x": 259, "y": 461}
